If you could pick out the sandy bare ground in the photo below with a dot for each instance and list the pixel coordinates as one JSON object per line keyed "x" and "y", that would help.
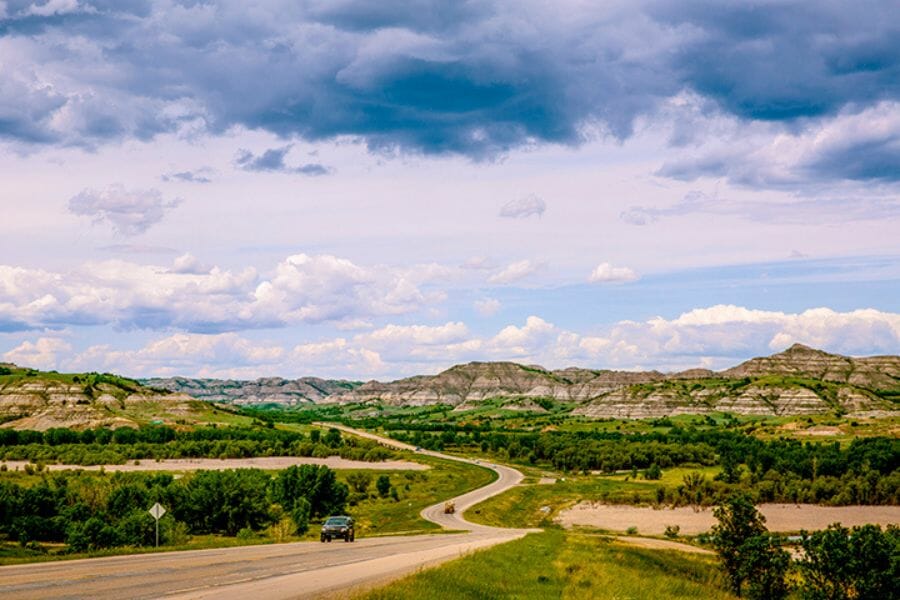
{"x": 655, "y": 544}
{"x": 213, "y": 464}
{"x": 276, "y": 571}
{"x": 779, "y": 517}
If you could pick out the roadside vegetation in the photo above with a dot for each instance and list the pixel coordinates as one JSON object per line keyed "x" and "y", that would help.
{"x": 70, "y": 514}
{"x": 558, "y": 564}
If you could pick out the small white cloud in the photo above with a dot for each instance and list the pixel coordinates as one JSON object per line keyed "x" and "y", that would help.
{"x": 129, "y": 212}
{"x": 487, "y": 307}
{"x": 523, "y": 208}
{"x": 514, "y": 272}
{"x": 189, "y": 265}
{"x": 606, "y": 273}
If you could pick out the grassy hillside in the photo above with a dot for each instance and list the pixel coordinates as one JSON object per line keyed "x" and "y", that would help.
{"x": 40, "y": 400}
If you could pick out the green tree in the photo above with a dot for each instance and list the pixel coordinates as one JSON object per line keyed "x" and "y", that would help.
{"x": 842, "y": 564}
{"x": 333, "y": 438}
{"x": 738, "y": 522}
{"x": 765, "y": 568}
{"x": 300, "y": 515}
{"x": 383, "y": 485}
{"x": 653, "y": 472}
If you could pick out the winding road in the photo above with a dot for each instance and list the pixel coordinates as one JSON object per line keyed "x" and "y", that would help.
{"x": 276, "y": 571}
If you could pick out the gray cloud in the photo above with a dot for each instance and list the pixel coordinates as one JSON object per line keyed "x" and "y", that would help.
{"x": 523, "y": 207}
{"x": 272, "y": 160}
{"x": 476, "y": 79}
{"x": 128, "y": 212}
{"x": 201, "y": 175}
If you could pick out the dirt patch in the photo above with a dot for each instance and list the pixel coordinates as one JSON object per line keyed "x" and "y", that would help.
{"x": 656, "y": 544}
{"x": 546, "y": 480}
{"x": 779, "y": 517}
{"x": 212, "y": 464}
{"x": 821, "y": 430}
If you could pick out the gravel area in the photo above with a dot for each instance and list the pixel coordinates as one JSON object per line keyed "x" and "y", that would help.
{"x": 779, "y": 517}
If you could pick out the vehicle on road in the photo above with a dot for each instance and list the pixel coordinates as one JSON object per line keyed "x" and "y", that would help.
{"x": 340, "y": 526}
{"x": 449, "y": 507}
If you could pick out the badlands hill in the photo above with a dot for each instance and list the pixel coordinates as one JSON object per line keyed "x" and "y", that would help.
{"x": 39, "y": 400}
{"x": 800, "y": 380}
{"x": 268, "y": 390}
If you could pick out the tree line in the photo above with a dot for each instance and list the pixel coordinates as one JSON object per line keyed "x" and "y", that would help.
{"x": 89, "y": 511}
{"x": 837, "y": 563}
{"x": 116, "y": 446}
{"x": 863, "y": 472}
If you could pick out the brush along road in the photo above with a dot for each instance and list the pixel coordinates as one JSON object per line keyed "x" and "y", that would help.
{"x": 277, "y": 571}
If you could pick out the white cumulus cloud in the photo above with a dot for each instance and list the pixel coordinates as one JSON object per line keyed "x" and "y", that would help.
{"x": 606, "y": 273}
{"x": 514, "y": 272}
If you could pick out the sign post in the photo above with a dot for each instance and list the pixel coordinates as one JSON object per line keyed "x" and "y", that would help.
{"x": 157, "y": 511}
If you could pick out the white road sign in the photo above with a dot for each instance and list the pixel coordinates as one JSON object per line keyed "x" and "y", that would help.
{"x": 157, "y": 511}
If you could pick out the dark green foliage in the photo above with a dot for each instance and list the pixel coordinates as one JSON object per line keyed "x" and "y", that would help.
{"x": 383, "y": 485}
{"x": 94, "y": 511}
{"x": 860, "y": 563}
{"x": 316, "y": 484}
{"x": 300, "y": 515}
{"x": 739, "y": 521}
{"x": 105, "y": 446}
{"x": 765, "y": 568}
{"x": 226, "y": 501}
{"x": 653, "y": 473}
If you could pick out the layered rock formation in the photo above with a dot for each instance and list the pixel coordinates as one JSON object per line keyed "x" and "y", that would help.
{"x": 275, "y": 390}
{"x": 798, "y": 381}
{"x": 38, "y": 401}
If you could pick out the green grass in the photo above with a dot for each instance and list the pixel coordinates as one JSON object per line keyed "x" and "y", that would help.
{"x": 557, "y": 564}
{"x": 446, "y": 479}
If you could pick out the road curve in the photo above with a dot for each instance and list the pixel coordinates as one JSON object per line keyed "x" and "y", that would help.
{"x": 507, "y": 477}
{"x": 277, "y": 571}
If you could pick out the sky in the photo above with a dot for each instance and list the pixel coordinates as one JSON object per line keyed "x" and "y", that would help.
{"x": 372, "y": 190}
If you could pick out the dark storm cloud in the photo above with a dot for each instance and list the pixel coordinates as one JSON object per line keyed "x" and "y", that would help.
{"x": 784, "y": 60}
{"x": 475, "y": 79}
{"x": 866, "y": 160}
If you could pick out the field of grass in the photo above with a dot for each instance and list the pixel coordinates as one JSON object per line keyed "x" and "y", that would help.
{"x": 557, "y": 564}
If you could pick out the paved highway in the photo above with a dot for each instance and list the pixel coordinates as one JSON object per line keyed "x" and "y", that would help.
{"x": 277, "y": 571}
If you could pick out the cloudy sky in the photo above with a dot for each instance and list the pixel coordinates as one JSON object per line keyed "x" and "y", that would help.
{"x": 378, "y": 189}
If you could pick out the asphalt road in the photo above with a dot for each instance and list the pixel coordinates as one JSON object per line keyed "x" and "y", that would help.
{"x": 277, "y": 571}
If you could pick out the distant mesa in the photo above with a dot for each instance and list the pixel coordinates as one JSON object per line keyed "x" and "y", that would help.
{"x": 798, "y": 381}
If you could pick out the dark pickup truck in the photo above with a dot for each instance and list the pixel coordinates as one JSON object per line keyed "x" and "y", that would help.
{"x": 338, "y": 527}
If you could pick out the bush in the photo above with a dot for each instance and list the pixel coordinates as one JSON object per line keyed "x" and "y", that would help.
{"x": 383, "y": 485}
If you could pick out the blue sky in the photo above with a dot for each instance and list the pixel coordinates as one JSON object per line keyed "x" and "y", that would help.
{"x": 374, "y": 190}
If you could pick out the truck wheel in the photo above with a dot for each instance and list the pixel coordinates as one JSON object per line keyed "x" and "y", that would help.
{"x": 353, "y": 537}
